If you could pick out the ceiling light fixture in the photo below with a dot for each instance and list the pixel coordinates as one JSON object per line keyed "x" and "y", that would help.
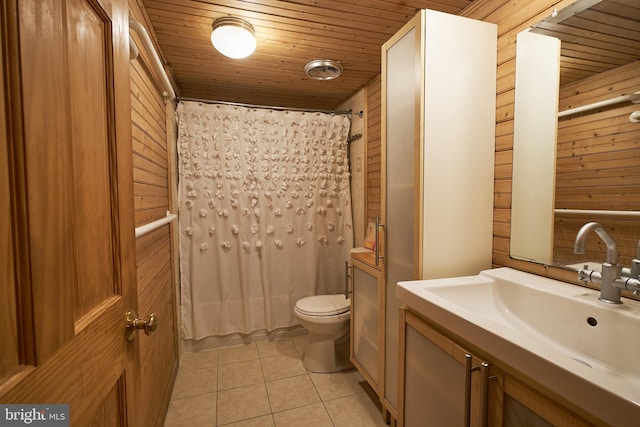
{"x": 233, "y": 37}
{"x": 323, "y": 69}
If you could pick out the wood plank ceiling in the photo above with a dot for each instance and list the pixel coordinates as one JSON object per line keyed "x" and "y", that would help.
{"x": 596, "y": 36}
{"x": 289, "y": 34}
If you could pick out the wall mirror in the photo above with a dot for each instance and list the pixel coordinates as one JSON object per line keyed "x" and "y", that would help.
{"x": 576, "y": 155}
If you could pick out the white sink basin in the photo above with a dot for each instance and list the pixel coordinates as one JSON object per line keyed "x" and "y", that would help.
{"x": 558, "y": 334}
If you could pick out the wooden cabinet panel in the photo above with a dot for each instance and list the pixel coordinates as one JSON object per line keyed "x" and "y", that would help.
{"x": 432, "y": 384}
{"x": 367, "y": 320}
{"x": 439, "y": 380}
{"x": 523, "y": 405}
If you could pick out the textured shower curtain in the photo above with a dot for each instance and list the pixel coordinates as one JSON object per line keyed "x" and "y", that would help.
{"x": 265, "y": 214}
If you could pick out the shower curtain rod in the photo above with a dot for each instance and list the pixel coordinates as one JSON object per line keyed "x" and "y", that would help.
{"x": 268, "y": 107}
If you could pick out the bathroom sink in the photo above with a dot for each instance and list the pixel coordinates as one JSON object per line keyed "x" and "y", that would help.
{"x": 557, "y": 333}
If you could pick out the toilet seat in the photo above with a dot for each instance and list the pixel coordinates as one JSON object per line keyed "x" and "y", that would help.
{"x": 323, "y": 305}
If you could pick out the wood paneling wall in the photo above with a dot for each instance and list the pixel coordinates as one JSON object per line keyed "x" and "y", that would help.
{"x": 373, "y": 149}
{"x": 366, "y": 158}
{"x": 598, "y": 165}
{"x": 511, "y": 16}
{"x": 158, "y": 352}
{"x": 356, "y": 103}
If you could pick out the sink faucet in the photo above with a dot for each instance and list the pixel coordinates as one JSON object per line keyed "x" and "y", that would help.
{"x": 581, "y": 239}
{"x": 611, "y": 282}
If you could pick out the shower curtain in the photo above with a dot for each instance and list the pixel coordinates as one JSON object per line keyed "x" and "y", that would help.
{"x": 265, "y": 214}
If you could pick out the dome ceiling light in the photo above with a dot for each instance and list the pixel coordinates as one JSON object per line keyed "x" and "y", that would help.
{"x": 233, "y": 37}
{"x": 323, "y": 69}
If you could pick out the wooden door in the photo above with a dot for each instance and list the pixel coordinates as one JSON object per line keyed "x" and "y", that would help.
{"x": 67, "y": 243}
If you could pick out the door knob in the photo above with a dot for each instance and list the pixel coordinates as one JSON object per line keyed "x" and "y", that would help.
{"x": 133, "y": 323}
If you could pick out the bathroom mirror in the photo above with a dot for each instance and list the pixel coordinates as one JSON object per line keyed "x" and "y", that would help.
{"x": 577, "y": 166}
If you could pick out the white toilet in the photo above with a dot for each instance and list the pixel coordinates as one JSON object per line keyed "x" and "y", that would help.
{"x": 326, "y": 317}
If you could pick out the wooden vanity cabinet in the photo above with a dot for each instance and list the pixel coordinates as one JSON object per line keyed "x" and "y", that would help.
{"x": 442, "y": 382}
{"x": 367, "y": 319}
{"x": 516, "y": 404}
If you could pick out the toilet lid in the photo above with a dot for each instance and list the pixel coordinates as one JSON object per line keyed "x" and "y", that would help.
{"x": 323, "y": 305}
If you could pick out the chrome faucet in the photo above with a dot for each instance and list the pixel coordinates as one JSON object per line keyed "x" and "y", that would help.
{"x": 610, "y": 279}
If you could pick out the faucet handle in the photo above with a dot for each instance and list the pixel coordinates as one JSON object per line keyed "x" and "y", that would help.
{"x": 635, "y": 264}
{"x": 584, "y": 274}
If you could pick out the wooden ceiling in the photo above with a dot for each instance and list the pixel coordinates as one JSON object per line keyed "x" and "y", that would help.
{"x": 289, "y": 34}
{"x": 596, "y": 36}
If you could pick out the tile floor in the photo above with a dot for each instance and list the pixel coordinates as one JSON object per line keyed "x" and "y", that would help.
{"x": 265, "y": 384}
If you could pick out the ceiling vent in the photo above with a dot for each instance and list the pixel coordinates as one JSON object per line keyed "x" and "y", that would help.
{"x": 323, "y": 69}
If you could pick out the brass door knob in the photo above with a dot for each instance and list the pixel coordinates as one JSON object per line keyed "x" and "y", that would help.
{"x": 134, "y": 323}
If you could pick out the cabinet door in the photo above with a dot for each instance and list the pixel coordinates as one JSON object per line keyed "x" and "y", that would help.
{"x": 431, "y": 67}
{"x": 521, "y": 405}
{"x": 441, "y": 383}
{"x": 400, "y": 104}
{"x": 364, "y": 317}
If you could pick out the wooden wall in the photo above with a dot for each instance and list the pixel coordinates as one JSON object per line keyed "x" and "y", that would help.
{"x": 365, "y": 156}
{"x": 159, "y": 352}
{"x": 373, "y": 149}
{"x": 598, "y": 165}
{"x": 356, "y": 103}
{"x": 511, "y": 17}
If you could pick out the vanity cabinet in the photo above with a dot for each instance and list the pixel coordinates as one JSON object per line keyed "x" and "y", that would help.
{"x": 367, "y": 319}
{"x": 517, "y": 404}
{"x": 440, "y": 381}
{"x": 438, "y": 148}
{"x": 449, "y": 383}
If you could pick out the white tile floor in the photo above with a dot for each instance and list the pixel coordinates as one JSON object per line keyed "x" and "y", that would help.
{"x": 265, "y": 384}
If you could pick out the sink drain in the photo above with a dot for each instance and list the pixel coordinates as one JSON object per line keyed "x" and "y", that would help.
{"x": 592, "y": 321}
